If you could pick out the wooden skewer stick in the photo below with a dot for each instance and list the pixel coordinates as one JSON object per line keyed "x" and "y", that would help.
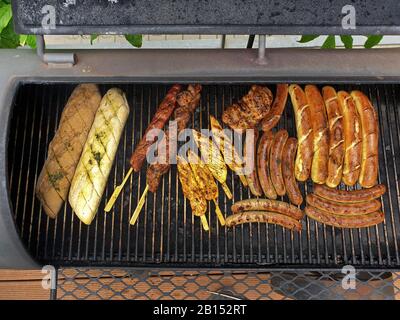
{"x": 204, "y": 222}
{"x": 226, "y": 190}
{"x": 219, "y": 213}
{"x": 139, "y": 206}
{"x": 243, "y": 180}
{"x": 117, "y": 191}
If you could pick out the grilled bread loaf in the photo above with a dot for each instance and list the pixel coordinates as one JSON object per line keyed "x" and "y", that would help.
{"x": 370, "y": 132}
{"x": 336, "y": 137}
{"x": 352, "y": 138}
{"x": 304, "y": 132}
{"x": 98, "y": 154}
{"x": 66, "y": 147}
{"x": 319, "y": 168}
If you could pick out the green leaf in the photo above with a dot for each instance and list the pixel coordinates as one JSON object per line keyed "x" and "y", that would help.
{"x": 8, "y": 38}
{"x": 329, "y": 43}
{"x": 372, "y": 41}
{"x": 93, "y": 37}
{"x": 5, "y": 16}
{"x": 22, "y": 39}
{"x": 134, "y": 39}
{"x": 307, "y": 38}
{"x": 31, "y": 41}
{"x": 347, "y": 41}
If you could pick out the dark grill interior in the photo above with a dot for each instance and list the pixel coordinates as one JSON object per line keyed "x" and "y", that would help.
{"x": 166, "y": 231}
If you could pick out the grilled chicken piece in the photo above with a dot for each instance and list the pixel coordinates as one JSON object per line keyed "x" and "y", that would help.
{"x": 250, "y": 110}
{"x": 98, "y": 154}
{"x": 232, "y": 159}
{"x": 66, "y": 147}
{"x": 213, "y": 159}
{"x": 190, "y": 187}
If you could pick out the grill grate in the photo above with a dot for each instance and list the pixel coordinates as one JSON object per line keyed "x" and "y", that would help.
{"x": 166, "y": 231}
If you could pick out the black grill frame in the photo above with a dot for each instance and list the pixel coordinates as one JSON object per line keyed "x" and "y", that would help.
{"x": 325, "y": 253}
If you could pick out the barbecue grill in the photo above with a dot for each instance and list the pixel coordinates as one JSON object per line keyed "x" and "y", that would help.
{"x": 35, "y": 88}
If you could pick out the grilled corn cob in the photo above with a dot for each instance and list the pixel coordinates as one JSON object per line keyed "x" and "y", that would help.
{"x": 98, "y": 154}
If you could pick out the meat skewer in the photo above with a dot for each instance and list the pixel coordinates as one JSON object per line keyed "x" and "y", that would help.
{"x": 191, "y": 191}
{"x": 158, "y": 121}
{"x": 187, "y": 101}
{"x": 213, "y": 159}
{"x": 205, "y": 182}
{"x": 233, "y": 160}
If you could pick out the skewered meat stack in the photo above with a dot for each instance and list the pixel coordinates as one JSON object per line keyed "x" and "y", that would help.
{"x": 206, "y": 182}
{"x": 187, "y": 101}
{"x": 213, "y": 159}
{"x": 192, "y": 191}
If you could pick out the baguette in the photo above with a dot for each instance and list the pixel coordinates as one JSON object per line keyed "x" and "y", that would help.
{"x": 319, "y": 168}
{"x": 98, "y": 154}
{"x": 304, "y": 132}
{"x": 352, "y": 138}
{"x": 66, "y": 147}
{"x": 370, "y": 132}
{"x": 336, "y": 137}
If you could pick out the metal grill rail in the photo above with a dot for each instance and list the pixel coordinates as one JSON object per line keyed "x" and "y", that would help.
{"x": 166, "y": 232}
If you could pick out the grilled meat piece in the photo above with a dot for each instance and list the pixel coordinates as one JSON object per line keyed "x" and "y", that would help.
{"x": 250, "y": 110}
{"x": 187, "y": 101}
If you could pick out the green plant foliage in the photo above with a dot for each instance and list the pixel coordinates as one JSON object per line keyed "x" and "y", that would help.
{"x": 347, "y": 41}
{"x": 372, "y": 41}
{"x": 134, "y": 39}
{"x": 329, "y": 43}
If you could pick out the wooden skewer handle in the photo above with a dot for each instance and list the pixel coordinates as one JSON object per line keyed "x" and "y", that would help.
{"x": 204, "y": 222}
{"x": 117, "y": 191}
{"x": 226, "y": 190}
{"x": 139, "y": 206}
{"x": 219, "y": 213}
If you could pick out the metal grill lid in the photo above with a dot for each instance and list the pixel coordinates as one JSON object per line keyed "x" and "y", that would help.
{"x": 207, "y": 16}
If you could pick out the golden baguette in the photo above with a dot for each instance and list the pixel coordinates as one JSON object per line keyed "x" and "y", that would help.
{"x": 352, "y": 138}
{"x": 319, "y": 168}
{"x": 98, "y": 154}
{"x": 370, "y": 134}
{"x": 336, "y": 137}
{"x": 304, "y": 132}
{"x": 66, "y": 147}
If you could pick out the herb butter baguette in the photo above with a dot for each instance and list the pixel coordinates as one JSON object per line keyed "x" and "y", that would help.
{"x": 66, "y": 147}
{"x": 98, "y": 154}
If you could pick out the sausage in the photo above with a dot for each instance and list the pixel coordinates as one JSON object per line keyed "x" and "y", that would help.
{"x": 292, "y": 188}
{"x": 319, "y": 167}
{"x": 90, "y": 178}
{"x": 158, "y": 121}
{"x": 336, "y": 137}
{"x": 263, "y": 216}
{"x": 353, "y": 196}
{"x": 263, "y": 155}
{"x": 304, "y": 132}
{"x": 267, "y": 205}
{"x": 66, "y": 147}
{"x": 352, "y": 138}
{"x": 275, "y": 161}
{"x": 362, "y": 221}
{"x": 252, "y": 177}
{"x": 274, "y": 115}
{"x": 340, "y": 208}
{"x": 370, "y": 132}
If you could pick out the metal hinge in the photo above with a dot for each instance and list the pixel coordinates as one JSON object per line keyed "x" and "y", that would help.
{"x": 54, "y": 59}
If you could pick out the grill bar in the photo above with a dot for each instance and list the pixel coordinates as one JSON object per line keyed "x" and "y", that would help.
{"x": 166, "y": 231}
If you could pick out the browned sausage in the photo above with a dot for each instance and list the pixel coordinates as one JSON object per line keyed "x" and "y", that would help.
{"x": 263, "y": 216}
{"x": 252, "y": 177}
{"x": 304, "y": 132}
{"x": 336, "y": 137}
{"x": 267, "y": 205}
{"x": 274, "y": 115}
{"x": 263, "y": 154}
{"x": 340, "y": 208}
{"x": 353, "y": 196}
{"x": 275, "y": 161}
{"x": 366, "y": 220}
{"x": 319, "y": 167}
{"x": 292, "y": 188}
{"x": 352, "y": 138}
{"x": 370, "y": 131}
